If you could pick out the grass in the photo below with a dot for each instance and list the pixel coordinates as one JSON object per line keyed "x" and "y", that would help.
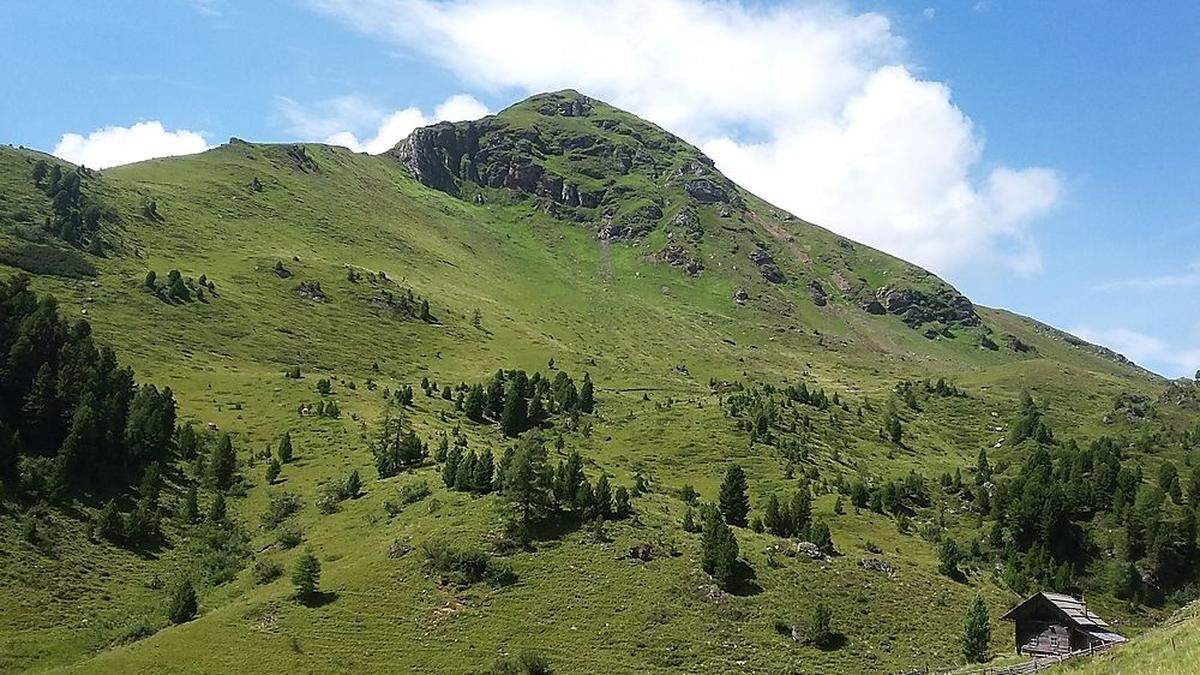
{"x": 1171, "y": 648}
{"x": 545, "y": 289}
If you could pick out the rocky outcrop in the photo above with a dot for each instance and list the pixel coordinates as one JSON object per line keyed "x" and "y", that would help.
{"x": 766, "y": 266}
{"x": 677, "y": 256}
{"x": 917, "y": 307}
{"x": 298, "y": 155}
{"x": 817, "y": 293}
{"x": 435, "y": 154}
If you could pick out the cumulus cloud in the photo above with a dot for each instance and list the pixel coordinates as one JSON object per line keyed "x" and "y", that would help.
{"x": 811, "y": 106}
{"x": 112, "y": 146}
{"x": 355, "y": 123}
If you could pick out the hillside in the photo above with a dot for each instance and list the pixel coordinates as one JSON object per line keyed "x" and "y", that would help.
{"x": 1171, "y": 648}
{"x": 560, "y": 236}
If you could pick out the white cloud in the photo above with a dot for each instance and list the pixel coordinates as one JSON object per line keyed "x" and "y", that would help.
{"x": 1145, "y": 350}
{"x": 929, "y": 13}
{"x": 811, "y": 106}
{"x": 1178, "y": 280}
{"x": 112, "y": 146}
{"x": 341, "y": 121}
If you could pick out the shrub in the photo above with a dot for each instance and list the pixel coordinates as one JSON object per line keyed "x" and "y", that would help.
{"x": 266, "y": 571}
{"x": 525, "y": 663}
{"x": 279, "y": 508}
{"x": 409, "y": 493}
{"x": 464, "y": 567}
{"x": 290, "y": 537}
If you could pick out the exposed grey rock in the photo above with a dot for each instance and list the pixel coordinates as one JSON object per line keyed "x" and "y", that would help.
{"x": 917, "y": 307}
{"x": 817, "y": 293}
{"x": 878, "y": 565}
{"x": 766, "y": 266}
{"x": 677, "y": 256}
{"x": 705, "y": 191}
{"x": 740, "y": 296}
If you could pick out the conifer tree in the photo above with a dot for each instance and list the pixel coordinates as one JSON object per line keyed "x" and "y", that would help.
{"x": 718, "y": 549}
{"x": 602, "y": 498}
{"x": 587, "y": 395}
{"x": 733, "y": 498}
{"x": 306, "y": 575}
{"x": 484, "y": 472}
{"x": 223, "y": 464}
{"x": 464, "y": 473}
{"x": 977, "y": 633}
{"x": 799, "y": 513}
{"x": 450, "y": 468}
{"x": 285, "y": 448}
{"x": 512, "y": 419}
{"x": 182, "y": 605}
{"x": 475, "y": 403}
{"x": 272, "y": 470}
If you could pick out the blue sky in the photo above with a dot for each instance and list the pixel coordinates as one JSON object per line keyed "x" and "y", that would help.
{"x": 1041, "y": 156}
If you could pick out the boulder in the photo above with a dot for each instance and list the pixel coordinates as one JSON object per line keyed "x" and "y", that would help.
{"x": 740, "y": 296}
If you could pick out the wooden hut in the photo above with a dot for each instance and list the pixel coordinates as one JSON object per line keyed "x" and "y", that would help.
{"x": 1057, "y": 624}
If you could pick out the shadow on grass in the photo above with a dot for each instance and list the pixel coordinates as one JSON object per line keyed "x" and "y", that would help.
{"x": 318, "y": 598}
{"x": 744, "y": 582}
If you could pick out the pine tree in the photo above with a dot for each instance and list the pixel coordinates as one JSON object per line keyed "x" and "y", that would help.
{"x": 526, "y": 484}
{"x": 976, "y": 632}
{"x": 949, "y": 557}
{"x": 587, "y": 395}
{"x": 773, "y": 518}
{"x": 568, "y": 478}
{"x": 536, "y": 412}
{"x": 689, "y": 520}
{"x": 484, "y": 472}
{"x": 182, "y": 606}
{"x": 352, "y": 486}
{"x": 602, "y": 498}
{"x": 190, "y": 511}
{"x": 799, "y": 513}
{"x": 733, "y": 498}
{"x": 272, "y": 470}
{"x": 306, "y": 575}
{"x": 217, "y": 511}
{"x": 621, "y": 505}
{"x": 285, "y": 448}
{"x": 450, "y": 468}
{"x": 512, "y": 419}
{"x": 464, "y": 473}
{"x": 223, "y": 464}
{"x": 819, "y": 534}
{"x": 818, "y": 628}
{"x": 475, "y": 403}
{"x": 718, "y": 549}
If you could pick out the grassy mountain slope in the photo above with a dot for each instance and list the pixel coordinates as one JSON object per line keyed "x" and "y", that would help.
{"x": 585, "y": 279}
{"x": 1173, "y": 647}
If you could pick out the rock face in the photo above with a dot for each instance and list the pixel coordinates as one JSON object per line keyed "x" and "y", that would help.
{"x": 677, "y": 256}
{"x": 430, "y": 152}
{"x": 601, "y": 166}
{"x": 766, "y": 266}
{"x": 917, "y": 307}
{"x": 817, "y": 292}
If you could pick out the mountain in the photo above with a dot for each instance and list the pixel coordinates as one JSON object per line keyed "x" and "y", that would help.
{"x": 305, "y": 291}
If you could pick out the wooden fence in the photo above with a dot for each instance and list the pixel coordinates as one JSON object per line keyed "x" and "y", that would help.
{"x": 1034, "y": 665}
